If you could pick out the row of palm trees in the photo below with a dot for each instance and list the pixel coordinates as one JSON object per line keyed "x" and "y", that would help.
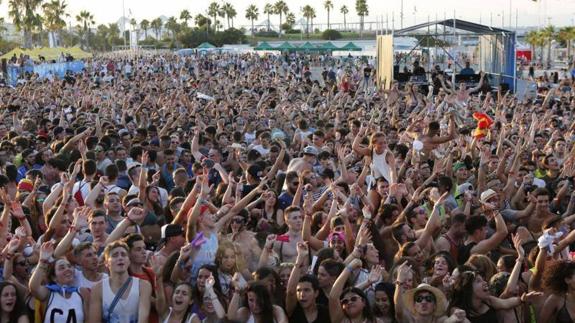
{"x": 544, "y": 37}
{"x": 37, "y": 16}
{"x": 281, "y": 9}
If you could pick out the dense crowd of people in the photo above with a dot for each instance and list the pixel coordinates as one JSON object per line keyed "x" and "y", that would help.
{"x": 240, "y": 188}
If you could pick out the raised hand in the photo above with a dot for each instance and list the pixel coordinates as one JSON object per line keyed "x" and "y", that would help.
{"x": 302, "y": 249}
{"x": 136, "y": 215}
{"x": 16, "y": 210}
{"x": 186, "y": 252}
{"x": 518, "y": 244}
{"x": 375, "y": 274}
{"x": 47, "y": 250}
{"x": 270, "y": 241}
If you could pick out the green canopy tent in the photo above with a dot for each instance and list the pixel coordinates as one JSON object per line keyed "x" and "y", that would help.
{"x": 350, "y": 47}
{"x": 307, "y": 46}
{"x": 286, "y": 47}
{"x": 264, "y": 46}
{"x": 329, "y": 46}
{"x": 205, "y": 45}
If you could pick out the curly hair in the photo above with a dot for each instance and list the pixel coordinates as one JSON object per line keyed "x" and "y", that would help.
{"x": 555, "y": 275}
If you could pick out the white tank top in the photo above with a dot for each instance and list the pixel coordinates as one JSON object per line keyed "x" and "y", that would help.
{"x": 64, "y": 310}
{"x": 82, "y": 281}
{"x": 206, "y": 254}
{"x": 379, "y": 166}
{"x": 189, "y": 320}
{"x": 126, "y": 311}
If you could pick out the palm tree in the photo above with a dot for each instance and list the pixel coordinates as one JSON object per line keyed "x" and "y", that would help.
{"x": 344, "y": 11}
{"x": 548, "y": 34}
{"x": 25, "y": 18}
{"x": 232, "y": 14}
{"x": 54, "y": 11}
{"x": 173, "y": 26}
{"x": 227, "y": 9}
{"x": 362, "y": 11}
{"x": 2, "y": 27}
{"x": 308, "y": 13}
{"x": 280, "y": 8}
{"x": 85, "y": 19}
{"x": 252, "y": 14}
{"x": 134, "y": 25}
{"x": 202, "y": 21}
{"x": 268, "y": 10}
{"x": 145, "y": 25}
{"x": 566, "y": 35}
{"x": 328, "y": 5}
{"x": 185, "y": 16}
{"x": 157, "y": 25}
{"x": 214, "y": 11}
{"x": 535, "y": 39}
{"x": 290, "y": 20}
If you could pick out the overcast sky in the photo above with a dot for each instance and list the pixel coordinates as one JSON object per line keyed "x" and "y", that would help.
{"x": 559, "y": 12}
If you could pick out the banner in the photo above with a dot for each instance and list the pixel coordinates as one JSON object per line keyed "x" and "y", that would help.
{"x": 44, "y": 70}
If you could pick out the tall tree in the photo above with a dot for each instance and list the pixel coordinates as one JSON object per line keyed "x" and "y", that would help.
{"x": 202, "y": 21}
{"x": 548, "y": 34}
{"x": 344, "y": 11}
{"x": 566, "y": 35}
{"x": 157, "y": 25}
{"x": 145, "y": 26}
{"x": 228, "y": 10}
{"x": 173, "y": 26}
{"x": 252, "y": 14}
{"x": 185, "y": 16}
{"x": 362, "y": 11}
{"x": 214, "y": 11}
{"x": 86, "y": 20}
{"x": 290, "y": 21}
{"x": 328, "y": 5}
{"x": 54, "y": 13}
{"x": 134, "y": 25}
{"x": 280, "y": 8}
{"x": 269, "y": 10}
{"x": 25, "y": 17}
{"x": 308, "y": 13}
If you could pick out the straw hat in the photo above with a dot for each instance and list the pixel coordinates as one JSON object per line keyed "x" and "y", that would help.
{"x": 440, "y": 300}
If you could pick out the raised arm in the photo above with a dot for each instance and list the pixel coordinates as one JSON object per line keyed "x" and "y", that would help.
{"x": 335, "y": 311}
{"x": 492, "y": 242}
{"x": 39, "y": 275}
{"x": 291, "y": 289}
{"x": 356, "y": 145}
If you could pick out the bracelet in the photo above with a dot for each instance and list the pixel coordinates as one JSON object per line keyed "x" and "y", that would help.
{"x": 350, "y": 268}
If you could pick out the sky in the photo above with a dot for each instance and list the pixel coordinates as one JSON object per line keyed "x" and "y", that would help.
{"x": 524, "y": 12}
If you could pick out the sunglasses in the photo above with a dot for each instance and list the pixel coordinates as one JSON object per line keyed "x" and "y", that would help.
{"x": 427, "y": 298}
{"x": 295, "y": 183}
{"x": 21, "y": 263}
{"x": 352, "y": 299}
{"x": 238, "y": 220}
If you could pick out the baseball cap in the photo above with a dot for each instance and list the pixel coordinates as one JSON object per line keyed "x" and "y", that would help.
{"x": 310, "y": 150}
{"x": 134, "y": 201}
{"x": 171, "y": 230}
{"x": 487, "y": 195}
{"x": 255, "y": 171}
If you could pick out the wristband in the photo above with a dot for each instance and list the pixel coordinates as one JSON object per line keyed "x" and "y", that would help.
{"x": 350, "y": 268}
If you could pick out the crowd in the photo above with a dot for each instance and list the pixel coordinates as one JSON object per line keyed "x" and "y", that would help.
{"x": 239, "y": 188}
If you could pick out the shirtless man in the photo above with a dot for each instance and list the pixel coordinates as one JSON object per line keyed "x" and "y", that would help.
{"x": 285, "y": 246}
{"x": 541, "y": 213}
{"x": 462, "y": 94}
{"x": 305, "y": 162}
{"x": 245, "y": 239}
{"x": 431, "y": 138}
